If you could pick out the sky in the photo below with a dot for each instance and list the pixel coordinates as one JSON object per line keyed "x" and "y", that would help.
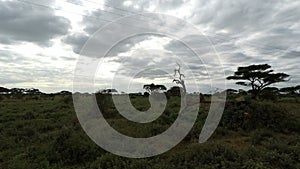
{"x": 42, "y": 41}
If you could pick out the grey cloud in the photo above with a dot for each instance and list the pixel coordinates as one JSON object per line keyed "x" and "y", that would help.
{"x": 291, "y": 55}
{"x": 68, "y": 58}
{"x": 97, "y": 19}
{"x": 11, "y": 80}
{"x": 235, "y": 16}
{"x": 153, "y": 74}
{"x": 157, "y": 64}
{"x": 171, "y": 4}
{"x": 77, "y": 2}
{"x": 7, "y": 56}
{"x": 114, "y": 10}
{"x": 241, "y": 58}
{"x": 143, "y": 64}
{"x": 257, "y": 32}
{"x": 126, "y": 44}
{"x": 207, "y": 58}
{"x": 27, "y": 74}
{"x": 76, "y": 40}
{"x": 273, "y": 22}
{"x": 92, "y": 23}
{"x": 22, "y": 22}
{"x": 144, "y": 5}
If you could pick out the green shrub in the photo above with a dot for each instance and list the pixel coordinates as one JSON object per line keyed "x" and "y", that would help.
{"x": 72, "y": 148}
{"x": 251, "y": 164}
{"x": 29, "y": 115}
{"x": 253, "y": 115}
{"x": 109, "y": 161}
{"x": 234, "y": 115}
{"x": 258, "y": 136}
{"x": 292, "y": 124}
{"x": 265, "y": 114}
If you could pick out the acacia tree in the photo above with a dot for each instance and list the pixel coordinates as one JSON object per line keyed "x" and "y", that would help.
{"x": 154, "y": 88}
{"x": 257, "y": 77}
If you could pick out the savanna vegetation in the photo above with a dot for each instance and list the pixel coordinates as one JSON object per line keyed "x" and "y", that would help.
{"x": 42, "y": 131}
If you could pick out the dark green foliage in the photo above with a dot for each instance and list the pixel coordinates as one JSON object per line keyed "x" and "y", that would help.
{"x": 270, "y": 93}
{"x": 70, "y": 147}
{"x": 234, "y": 115}
{"x": 252, "y": 115}
{"x": 294, "y": 90}
{"x": 105, "y": 105}
{"x": 264, "y": 115}
{"x": 175, "y": 91}
{"x": 28, "y": 115}
{"x": 292, "y": 124}
{"x": 258, "y": 136}
{"x": 67, "y": 99}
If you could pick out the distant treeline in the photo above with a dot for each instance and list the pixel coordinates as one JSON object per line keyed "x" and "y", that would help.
{"x": 175, "y": 90}
{"x": 30, "y": 91}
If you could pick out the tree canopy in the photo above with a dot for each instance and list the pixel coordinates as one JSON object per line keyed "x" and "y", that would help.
{"x": 152, "y": 87}
{"x": 257, "y": 77}
{"x": 4, "y": 90}
{"x": 291, "y": 90}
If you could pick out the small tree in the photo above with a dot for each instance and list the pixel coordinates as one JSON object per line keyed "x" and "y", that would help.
{"x": 258, "y": 77}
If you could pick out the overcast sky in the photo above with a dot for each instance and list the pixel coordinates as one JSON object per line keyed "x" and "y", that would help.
{"x": 41, "y": 40}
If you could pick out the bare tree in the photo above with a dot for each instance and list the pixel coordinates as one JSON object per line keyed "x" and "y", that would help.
{"x": 178, "y": 78}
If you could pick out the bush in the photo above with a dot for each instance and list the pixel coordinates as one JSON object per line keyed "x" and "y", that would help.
{"x": 258, "y": 136}
{"x": 205, "y": 155}
{"x": 146, "y": 94}
{"x": 265, "y": 114}
{"x": 234, "y": 115}
{"x": 71, "y": 147}
{"x": 251, "y": 164}
{"x": 67, "y": 99}
{"x": 253, "y": 115}
{"x": 29, "y": 115}
{"x": 109, "y": 161}
{"x": 292, "y": 125}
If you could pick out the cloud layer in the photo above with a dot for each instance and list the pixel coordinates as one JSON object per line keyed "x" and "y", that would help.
{"x": 21, "y": 22}
{"x": 242, "y": 32}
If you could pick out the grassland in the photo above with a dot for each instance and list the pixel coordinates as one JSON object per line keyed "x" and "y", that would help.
{"x": 45, "y": 133}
